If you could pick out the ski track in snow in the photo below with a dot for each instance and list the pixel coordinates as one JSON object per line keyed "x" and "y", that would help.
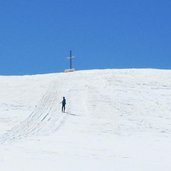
{"x": 44, "y": 119}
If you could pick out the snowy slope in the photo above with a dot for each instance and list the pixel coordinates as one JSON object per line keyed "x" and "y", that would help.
{"x": 115, "y": 120}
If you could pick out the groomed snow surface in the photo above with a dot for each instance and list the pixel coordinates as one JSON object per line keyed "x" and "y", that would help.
{"x": 116, "y": 120}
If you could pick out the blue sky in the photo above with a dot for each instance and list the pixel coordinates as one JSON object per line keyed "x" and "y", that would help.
{"x": 36, "y": 35}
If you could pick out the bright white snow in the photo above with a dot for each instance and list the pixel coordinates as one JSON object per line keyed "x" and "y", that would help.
{"x": 115, "y": 120}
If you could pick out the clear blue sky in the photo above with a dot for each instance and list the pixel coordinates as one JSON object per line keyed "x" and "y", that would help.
{"x": 36, "y": 35}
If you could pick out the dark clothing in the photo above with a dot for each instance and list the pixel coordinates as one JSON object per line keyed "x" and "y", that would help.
{"x": 64, "y": 101}
{"x": 63, "y": 108}
{"x": 63, "y": 104}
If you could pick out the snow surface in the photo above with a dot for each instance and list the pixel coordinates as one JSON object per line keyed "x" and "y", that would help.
{"x": 115, "y": 120}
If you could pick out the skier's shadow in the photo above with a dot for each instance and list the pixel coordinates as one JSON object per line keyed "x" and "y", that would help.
{"x": 68, "y": 113}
